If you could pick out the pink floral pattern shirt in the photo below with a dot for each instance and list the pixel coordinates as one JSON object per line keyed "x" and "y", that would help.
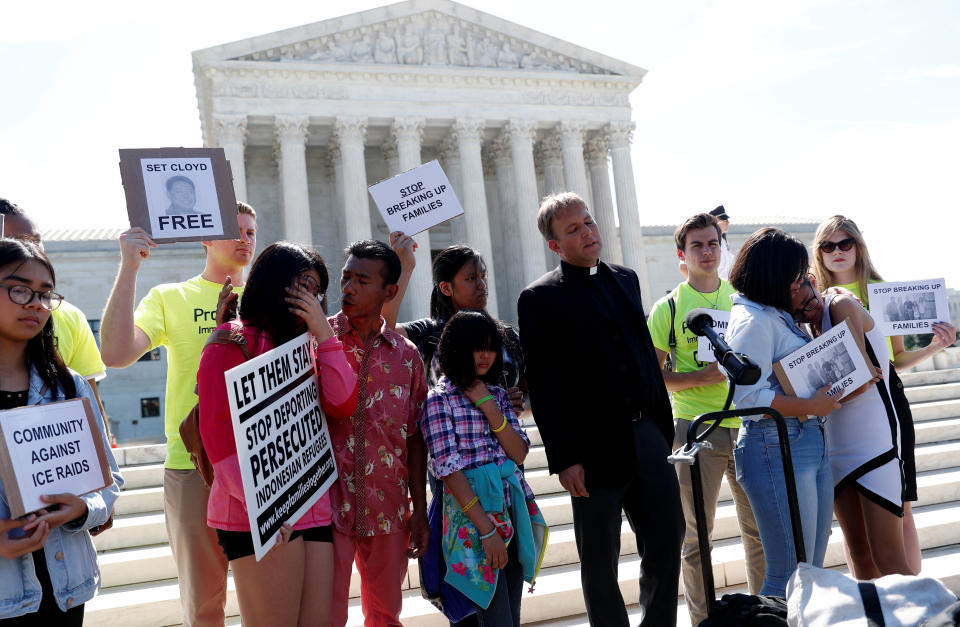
{"x": 371, "y": 495}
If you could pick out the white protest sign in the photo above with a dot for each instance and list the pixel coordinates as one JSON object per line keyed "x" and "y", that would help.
{"x": 833, "y": 358}
{"x": 51, "y": 449}
{"x": 417, "y": 199}
{"x": 908, "y": 307}
{"x": 283, "y": 446}
{"x": 720, "y": 321}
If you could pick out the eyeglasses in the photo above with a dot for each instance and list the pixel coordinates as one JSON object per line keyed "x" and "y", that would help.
{"x": 844, "y": 245}
{"x": 307, "y": 283}
{"x": 23, "y": 295}
{"x": 811, "y": 303}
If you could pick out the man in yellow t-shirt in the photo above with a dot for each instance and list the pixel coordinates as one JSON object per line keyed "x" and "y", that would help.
{"x": 180, "y": 317}
{"x": 697, "y": 386}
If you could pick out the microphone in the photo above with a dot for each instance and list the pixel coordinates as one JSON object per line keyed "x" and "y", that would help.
{"x": 738, "y": 366}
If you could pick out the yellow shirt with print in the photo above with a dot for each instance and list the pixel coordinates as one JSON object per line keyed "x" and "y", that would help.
{"x": 75, "y": 342}
{"x": 180, "y": 317}
{"x": 690, "y": 403}
{"x": 855, "y": 288}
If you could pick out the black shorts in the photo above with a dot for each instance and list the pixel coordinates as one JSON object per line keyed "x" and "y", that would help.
{"x": 908, "y": 438}
{"x": 237, "y": 544}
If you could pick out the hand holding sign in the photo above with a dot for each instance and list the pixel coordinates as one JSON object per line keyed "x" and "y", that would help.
{"x": 135, "y": 245}
{"x": 69, "y": 508}
{"x": 12, "y": 548}
{"x": 822, "y": 403}
{"x": 404, "y": 246}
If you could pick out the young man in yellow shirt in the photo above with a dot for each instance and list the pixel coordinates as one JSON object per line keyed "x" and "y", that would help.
{"x": 180, "y": 316}
{"x": 697, "y": 386}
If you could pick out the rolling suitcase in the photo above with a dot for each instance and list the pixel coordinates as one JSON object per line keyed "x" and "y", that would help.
{"x": 742, "y": 610}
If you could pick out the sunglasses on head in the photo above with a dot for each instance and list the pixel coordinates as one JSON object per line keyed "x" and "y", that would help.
{"x": 844, "y": 245}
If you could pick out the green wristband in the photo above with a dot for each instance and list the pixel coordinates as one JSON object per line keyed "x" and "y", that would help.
{"x": 488, "y": 397}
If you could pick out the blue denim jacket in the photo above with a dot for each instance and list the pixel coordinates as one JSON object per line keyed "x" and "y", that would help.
{"x": 69, "y": 551}
{"x": 766, "y": 334}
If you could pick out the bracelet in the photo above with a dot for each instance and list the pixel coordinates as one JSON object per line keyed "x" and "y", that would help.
{"x": 488, "y": 397}
{"x": 490, "y": 534}
{"x": 502, "y": 425}
{"x": 473, "y": 502}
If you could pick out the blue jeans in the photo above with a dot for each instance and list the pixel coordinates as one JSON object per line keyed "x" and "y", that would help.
{"x": 760, "y": 472}
{"x": 504, "y": 608}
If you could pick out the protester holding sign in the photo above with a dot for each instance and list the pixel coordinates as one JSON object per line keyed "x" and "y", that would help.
{"x": 841, "y": 260}
{"x": 180, "y": 316}
{"x": 48, "y": 568}
{"x": 697, "y": 386}
{"x": 381, "y": 456}
{"x": 476, "y": 445}
{"x": 864, "y": 442}
{"x": 768, "y": 272}
{"x": 293, "y": 583}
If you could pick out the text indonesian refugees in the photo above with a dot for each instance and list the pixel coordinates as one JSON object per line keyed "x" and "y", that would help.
{"x": 381, "y": 456}
{"x": 48, "y": 564}
{"x": 180, "y": 317}
{"x": 603, "y": 413}
{"x": 697, "y": 386}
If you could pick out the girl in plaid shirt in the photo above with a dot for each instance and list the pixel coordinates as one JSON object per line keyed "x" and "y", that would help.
{"x": 494, "y": 536}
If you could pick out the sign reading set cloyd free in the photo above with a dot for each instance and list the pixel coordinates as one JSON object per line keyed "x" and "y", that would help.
{"x": 417, "y": 199}
{"x": 283, "y": 446}
{"x": 51, "y": 449}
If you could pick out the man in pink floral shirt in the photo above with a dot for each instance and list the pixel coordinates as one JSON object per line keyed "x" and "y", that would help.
{"x": 381, "y": 456}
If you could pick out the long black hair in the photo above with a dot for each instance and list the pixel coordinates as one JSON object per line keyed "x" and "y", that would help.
{"x": 41, "y": 353}
{"x": 467, "y": 331}
{"x": 768, "y": 263}
{"x": 445, "y": 266}
{"x": 263, "y": 304}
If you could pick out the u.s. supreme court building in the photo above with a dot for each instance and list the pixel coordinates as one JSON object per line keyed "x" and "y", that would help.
{"x": 312, "y": 115}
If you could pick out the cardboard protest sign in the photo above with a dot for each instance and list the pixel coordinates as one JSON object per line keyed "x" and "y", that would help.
{"x": 720, "y": 321}
{"x": 417, "y": 199}
{"x": 908, "y": 307}
{"x": 50, "y": 449}
{"x": 283, "y": 446}
{"x": 180, "y": 194}
{"x": 834, "y": 357}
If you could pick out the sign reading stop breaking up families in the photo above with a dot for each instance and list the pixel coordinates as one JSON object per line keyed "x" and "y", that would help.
{"x": 283, "y": 445}
{"x": 909, "y": 307}
{"x": 180, "y": 194}
{"x": 51, "y": 449}
{"x": 835, "y": 358}
{"x": 416, "y": 200}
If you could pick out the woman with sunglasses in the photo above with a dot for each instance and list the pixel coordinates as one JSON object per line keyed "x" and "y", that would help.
{"x": 293, "y": 584}
{"x": 48, "y": 564}
{"x": 768, "y": 273}
{"x": 841, "y": 259}
{"x": 863, "y": 438}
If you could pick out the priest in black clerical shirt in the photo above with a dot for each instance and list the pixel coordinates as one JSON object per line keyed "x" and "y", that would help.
{"x": 604, "y": 415}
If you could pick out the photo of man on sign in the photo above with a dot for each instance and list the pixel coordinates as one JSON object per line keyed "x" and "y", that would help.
{"x": 182, "y": 194}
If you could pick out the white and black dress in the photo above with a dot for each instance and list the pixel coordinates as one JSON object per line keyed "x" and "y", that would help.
{"x": 863, "y": 436}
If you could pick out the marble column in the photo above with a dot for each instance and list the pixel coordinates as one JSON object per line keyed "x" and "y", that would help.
{"x": 522, "y": 133}
{"x": 574, "y": 171}
{"x": 349, "y": 134}
{"x": 290, "y": 142}
{"x": 506, "y": 228}
{"x": 551, "y": 158}
{"x": 407, "y": 135}
{"x": 389, "y": 151}
{"x": 450, "y": 160}
{"x": 230, "y": 133}
{"x": 335, "y": 174}
{"x": 468, "y": 134}
{"x": 619, "y": 136}
{"x": 597, "y": 163}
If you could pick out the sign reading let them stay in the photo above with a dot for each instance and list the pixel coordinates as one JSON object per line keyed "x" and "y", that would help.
{"x": 51, "y": 449}
{"x": 283, "y": 446}
{"x": 417, "y": 199}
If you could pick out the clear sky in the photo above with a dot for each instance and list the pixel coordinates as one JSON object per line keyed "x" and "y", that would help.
{"x": 802, "y": 108}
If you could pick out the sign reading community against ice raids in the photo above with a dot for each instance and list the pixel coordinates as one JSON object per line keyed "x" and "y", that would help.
{"x": 180, "y": 194}
{"x": 720, "y": 320}
{"x": 283, "y": 446}
{"x": 50, "y": 449}
{"x": 416, "y": 200}
{"x": 908, "y": 307}
{"x": 833, "y": 358}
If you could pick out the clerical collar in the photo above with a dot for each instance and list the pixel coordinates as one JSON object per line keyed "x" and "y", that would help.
{"x": 578, "y": 271}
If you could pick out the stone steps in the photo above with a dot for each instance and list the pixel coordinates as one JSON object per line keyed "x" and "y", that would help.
{"x": 139, "y": 577}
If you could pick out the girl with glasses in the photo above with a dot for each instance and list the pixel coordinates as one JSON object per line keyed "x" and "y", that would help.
{"x": 841, "y": 259}
{"x": 48, "y": 564}
{"x": 293, "y": 584}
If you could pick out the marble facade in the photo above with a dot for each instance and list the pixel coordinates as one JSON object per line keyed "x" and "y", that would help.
{"x": 312, "y": 115}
